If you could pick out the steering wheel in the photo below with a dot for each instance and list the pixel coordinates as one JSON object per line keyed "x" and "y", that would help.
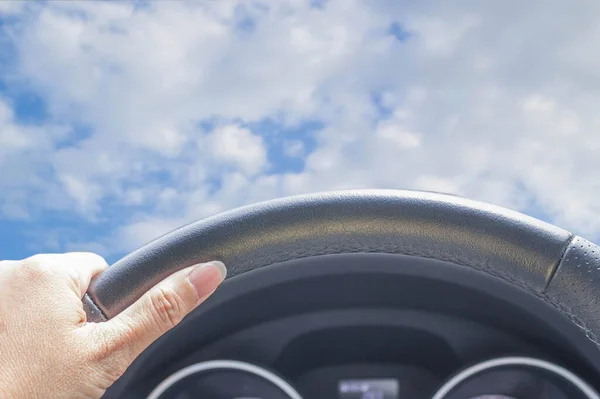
{"x": 547, "y": 262}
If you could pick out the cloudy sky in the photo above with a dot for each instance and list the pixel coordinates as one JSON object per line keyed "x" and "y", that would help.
{"x": 121, "y": 121}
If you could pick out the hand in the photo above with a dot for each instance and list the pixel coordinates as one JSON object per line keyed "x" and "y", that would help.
{"x": 49, "y": 350}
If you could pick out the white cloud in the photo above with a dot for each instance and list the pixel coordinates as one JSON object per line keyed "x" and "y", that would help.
{"x": 538, "y": 104}
{"x": 494, "y": 101}
{"x": 11, "y": 8}
{"x": 237, "y": 146}
{"x": 84, "y": 194}
{"x": 441, "y": 36}
{"x": 395, "y": 134}
{"x": 24, "y": 152}
{"x": 13, "y": 137}
{"x": 142, "y": 231}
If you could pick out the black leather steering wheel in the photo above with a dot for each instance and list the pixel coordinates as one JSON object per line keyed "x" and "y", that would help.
{"x": 546, "y": 261}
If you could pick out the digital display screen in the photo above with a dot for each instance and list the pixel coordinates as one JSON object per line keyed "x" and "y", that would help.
{"x": 369, "y": 389}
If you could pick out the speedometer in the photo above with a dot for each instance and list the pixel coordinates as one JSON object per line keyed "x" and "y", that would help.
{"x": 224, "y": 379}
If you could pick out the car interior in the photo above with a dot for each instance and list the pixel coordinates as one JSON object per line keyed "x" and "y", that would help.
{"x": 369, "y": 294}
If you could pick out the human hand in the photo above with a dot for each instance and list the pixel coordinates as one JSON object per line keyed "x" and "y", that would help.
{"x": 49, "y": 350}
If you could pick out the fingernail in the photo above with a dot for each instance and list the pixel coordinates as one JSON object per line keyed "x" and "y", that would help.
{"x": 206, "y": 277}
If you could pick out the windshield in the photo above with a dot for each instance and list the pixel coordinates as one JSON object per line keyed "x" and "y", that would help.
{"x": 120, "y": 121}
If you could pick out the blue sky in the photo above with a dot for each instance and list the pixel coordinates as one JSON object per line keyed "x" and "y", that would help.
{"x": 120, "y": 121}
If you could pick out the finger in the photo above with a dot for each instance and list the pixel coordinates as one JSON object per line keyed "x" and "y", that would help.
{"x": 82, "y": 267}
{"x": 78, "y": 267}
{"x": 163, "y": 307}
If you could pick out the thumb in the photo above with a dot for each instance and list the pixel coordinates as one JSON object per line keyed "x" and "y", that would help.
{"x": 161, "y": 308}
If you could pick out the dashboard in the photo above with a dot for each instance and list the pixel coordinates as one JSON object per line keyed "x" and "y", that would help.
{"x": 368, "y": 326}
{"x": 500, "y": 378}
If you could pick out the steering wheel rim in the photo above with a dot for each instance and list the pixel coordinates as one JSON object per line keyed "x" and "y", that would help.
{"x": 546, "y": 261}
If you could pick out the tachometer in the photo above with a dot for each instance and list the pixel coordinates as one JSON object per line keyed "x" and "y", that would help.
{"x": 516, "y": 377}
{"x": 224, "y": 379}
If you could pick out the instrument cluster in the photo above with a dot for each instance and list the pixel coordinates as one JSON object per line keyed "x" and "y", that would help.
{"x": 498, "y": 378}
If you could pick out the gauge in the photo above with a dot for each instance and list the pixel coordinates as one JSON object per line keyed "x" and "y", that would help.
{"x": 224, "y": 379}
{"x": 516, "y": 377}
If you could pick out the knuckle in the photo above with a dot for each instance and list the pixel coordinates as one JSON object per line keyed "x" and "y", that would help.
{"x": 33, "y": 262}
{"x": 34, "y": 268}
{"x": 167, "y": 308}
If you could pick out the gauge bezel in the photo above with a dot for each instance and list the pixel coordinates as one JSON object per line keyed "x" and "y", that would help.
{"x": 554, "y": 368}
{"x": 210, "y": 365}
